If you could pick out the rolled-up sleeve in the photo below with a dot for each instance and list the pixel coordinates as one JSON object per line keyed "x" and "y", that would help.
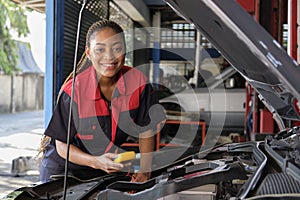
{"x": 58, "y": 125}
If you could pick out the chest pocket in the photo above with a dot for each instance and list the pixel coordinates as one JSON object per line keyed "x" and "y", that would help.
{"x": 93, "y": 132}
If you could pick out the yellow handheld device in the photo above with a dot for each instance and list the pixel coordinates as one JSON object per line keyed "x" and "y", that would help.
{"x": 126, "y": 156}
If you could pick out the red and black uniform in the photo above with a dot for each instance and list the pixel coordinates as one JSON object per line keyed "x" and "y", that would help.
{"x": 98, "y": 125}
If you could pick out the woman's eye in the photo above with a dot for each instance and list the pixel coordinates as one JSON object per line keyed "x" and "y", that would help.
{"x": 99, "y": 50}
{"x": 117, "y": 49}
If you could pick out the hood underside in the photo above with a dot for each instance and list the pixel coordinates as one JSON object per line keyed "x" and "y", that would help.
{"x": 249, "y": 48}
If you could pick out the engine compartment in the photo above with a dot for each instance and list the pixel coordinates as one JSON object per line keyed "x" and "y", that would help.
{"x": 268, "y": 169}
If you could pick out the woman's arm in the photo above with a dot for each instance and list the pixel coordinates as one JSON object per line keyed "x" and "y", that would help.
{"x": 146, "y": 145}
{"x": 79, "y": 157}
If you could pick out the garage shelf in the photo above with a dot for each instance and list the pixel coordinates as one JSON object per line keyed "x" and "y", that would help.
{"x": 159, "y": 144}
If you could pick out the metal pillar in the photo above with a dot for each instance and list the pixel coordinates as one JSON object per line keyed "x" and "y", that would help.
{"x": 156, "y": 46}
{"x": 197, "y": 59}
{"x": 293, "y": 10}
{"x": 297, "y": 32}
{"x": 49, "y": 79}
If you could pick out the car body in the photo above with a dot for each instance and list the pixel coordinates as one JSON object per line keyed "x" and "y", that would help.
{"x": 220, "y": 98}
{"x": 261, "y": 170}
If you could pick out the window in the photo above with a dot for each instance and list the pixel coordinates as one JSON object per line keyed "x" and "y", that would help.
{"x": 178, "y": 36}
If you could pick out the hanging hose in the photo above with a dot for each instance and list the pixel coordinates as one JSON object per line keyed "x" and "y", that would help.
{"x": 72, "y": 100}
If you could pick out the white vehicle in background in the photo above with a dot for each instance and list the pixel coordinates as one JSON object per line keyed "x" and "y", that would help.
{"x": 219, "y": 101}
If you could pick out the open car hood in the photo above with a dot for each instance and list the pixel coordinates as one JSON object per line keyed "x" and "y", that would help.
{"x": 250, "y": 49}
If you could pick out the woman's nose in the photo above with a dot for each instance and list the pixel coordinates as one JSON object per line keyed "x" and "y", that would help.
{"x": 109, "y": 55}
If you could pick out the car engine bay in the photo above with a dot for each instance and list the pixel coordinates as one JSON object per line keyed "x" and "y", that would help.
{"x": 268, "y": 169}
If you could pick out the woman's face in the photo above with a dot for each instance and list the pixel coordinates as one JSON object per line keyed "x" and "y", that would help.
{"x": 106, "y": 52}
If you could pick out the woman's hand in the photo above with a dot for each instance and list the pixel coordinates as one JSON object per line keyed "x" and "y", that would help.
{"x": 140, "y": 177}
{"x": 106, "y": 163}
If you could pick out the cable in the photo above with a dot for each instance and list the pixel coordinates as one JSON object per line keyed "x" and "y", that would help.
{"x": 71, "y": 102}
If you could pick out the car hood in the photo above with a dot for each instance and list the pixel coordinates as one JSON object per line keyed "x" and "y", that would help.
{"x": 250, "y": 49}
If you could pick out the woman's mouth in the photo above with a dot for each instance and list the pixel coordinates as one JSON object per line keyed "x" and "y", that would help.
{"x": 109, "y": 65}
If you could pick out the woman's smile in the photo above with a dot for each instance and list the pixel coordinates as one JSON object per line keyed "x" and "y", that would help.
{"x": 107, "y": 52}
{"x": 109, "y": 66}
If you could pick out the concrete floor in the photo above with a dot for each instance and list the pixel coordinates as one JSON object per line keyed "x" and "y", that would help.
{"x": 20, "y": 135}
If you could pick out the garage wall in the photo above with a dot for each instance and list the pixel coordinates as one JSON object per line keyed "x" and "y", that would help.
{"x": 24, "y": 92}
{"x": 5, "y": 93}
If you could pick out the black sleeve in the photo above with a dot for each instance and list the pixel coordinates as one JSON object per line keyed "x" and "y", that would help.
{"x": 150, "y": 112}
{"x": 58, "y": 125}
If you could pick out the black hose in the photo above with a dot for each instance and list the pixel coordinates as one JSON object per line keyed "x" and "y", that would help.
{"x": 72, "y": 100}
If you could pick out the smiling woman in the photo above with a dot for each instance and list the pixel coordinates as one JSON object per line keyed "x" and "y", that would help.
{"x": 106, "y": 52}
{"x": 111, "y": 102}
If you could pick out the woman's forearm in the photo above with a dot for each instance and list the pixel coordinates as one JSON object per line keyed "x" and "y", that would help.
{"x": 146, "y": 145}
{"x": 76, "y": 155}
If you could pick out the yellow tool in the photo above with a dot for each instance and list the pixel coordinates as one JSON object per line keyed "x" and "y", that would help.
{"x": 126, "y": 156}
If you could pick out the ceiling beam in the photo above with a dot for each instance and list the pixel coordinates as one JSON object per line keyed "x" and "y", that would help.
{"x": 37, "y": 5}
{"x": 137, "y": 10}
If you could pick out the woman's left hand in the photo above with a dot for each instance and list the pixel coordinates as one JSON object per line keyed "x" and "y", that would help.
{"x": 140, "y": 177}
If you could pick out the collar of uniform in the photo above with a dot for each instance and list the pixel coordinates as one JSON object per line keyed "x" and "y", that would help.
{"x": 128, "y": 81}
{"x": 121, "y": 84}
{"x": 92, "y": 90}
{"x": 87, "y": 84}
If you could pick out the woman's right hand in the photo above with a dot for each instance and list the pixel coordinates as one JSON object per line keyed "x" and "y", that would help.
{"x": 106, "y": 163}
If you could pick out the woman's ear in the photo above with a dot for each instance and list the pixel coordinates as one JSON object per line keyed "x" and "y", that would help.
{"x": 87, "y": 52}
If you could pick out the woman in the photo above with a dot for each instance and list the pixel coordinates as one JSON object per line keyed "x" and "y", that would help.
{"x": 111, "y": 102}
